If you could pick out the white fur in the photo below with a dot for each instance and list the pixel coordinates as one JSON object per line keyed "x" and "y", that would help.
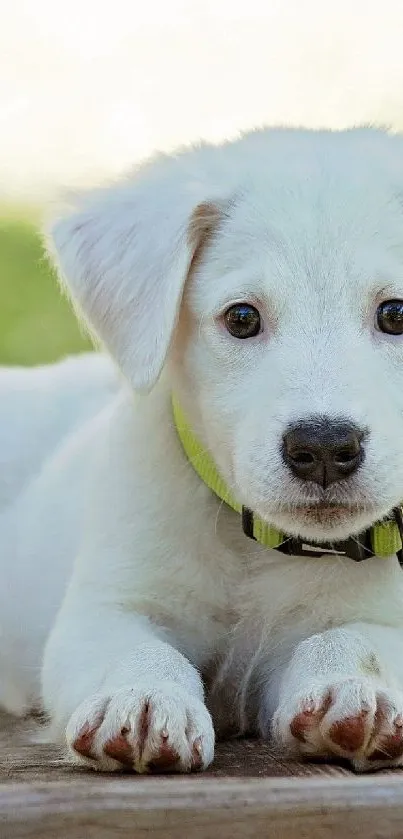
{"x": 121, "y": 571}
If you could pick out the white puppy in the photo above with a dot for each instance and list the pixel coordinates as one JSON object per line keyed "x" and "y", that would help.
{"x": 260, "y": 284}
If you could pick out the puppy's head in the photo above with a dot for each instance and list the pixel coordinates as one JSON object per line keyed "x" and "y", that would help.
{"x": 267, "y": 276}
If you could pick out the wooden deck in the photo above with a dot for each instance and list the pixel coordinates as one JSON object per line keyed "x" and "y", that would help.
{"x": 248, "y": 792}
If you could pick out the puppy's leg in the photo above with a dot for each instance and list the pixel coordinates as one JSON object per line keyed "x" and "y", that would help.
{"x": 342, "y": 695}
{"x": 123, "y": 695}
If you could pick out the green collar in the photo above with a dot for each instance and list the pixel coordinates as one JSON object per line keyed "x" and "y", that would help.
{"x": 383, "y": 539}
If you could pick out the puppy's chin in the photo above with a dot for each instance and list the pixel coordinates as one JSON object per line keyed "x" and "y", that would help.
{"x": 321, "y": 522}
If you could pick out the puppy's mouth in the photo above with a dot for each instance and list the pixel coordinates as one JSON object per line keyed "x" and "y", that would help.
{"x": 324, "y": 519}
{"x": 325, "y": 513}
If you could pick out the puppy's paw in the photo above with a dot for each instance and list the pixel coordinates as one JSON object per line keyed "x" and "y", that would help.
{"x": 146, "y": 728}
{"x": 351, "y": 718}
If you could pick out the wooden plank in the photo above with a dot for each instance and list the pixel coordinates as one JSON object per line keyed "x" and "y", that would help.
{"x": 231, "y": 809}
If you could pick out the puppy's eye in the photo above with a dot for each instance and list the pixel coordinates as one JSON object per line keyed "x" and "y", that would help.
{"x": 243, "y": 321}
{"x": 389, "y": 317}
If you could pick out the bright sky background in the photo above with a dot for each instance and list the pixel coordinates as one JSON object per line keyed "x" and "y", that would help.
{"x": 89, "y": 86}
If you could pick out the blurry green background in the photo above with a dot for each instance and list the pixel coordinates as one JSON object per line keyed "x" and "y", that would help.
{"x": 36, "y": 322}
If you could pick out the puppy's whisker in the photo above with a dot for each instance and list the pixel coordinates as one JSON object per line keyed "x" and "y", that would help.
{"x": 220, "y": 507}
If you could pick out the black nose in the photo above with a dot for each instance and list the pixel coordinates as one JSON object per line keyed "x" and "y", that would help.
{"x": 323, "y": 450}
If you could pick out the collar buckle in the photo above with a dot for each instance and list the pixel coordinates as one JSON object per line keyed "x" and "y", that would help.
{"x": 356, "y": 549}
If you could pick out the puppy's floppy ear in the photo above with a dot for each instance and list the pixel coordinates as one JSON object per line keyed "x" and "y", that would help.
{"x": 124, "y": 257}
